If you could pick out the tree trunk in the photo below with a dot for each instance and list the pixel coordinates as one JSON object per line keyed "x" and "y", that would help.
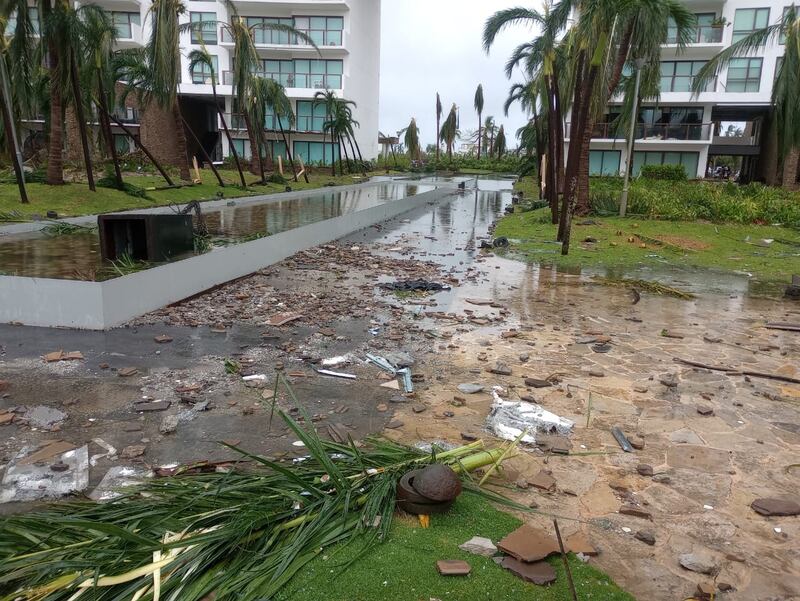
{"x": 551, "y": 175}
{"x": 106, "y": 125}
{"x": 204, "y": 153}
{"x": 559, "y": 125}
{"x": 55, "y": 152}
{"x": 8, "y": 124}
{"x": 256, "y": 168}
{"x": 339, "y": 147}
{"x": 622, "y": 57}
{"x": 438, "y": 136}
{"x": 288, "y": 150}
{"x": 180, "y": 140}
{"x": 480, "y": 123}
{"x": 76, "y": 96}
{"x": 141, "y": 147}
{"x": 228, "y": 134}
{"x": 583, "y": 206}
{"x": 353, "y": 152}
{"x": 570, "y": 186}
{"x": 346, "y": 156}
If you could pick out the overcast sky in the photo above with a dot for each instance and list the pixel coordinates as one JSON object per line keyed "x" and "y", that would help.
{"x": 430, "y": 46}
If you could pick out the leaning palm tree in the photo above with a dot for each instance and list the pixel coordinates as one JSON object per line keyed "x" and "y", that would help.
{"x": 479, "y": 110}
{"x": 449, "y": 131}
{"x": 785, "y": 90}
{"x": 411, "y": 140}
{"x": 438, "y": 123}
{"x": 99, "y": 35}
{"x": 203, "y": 58}
{"x": 274, "y": 95}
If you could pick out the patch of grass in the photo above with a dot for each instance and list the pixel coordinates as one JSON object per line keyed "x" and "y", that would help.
{"x": 724, "y": 247}
{"x": 74, "y": 199}
{"x": 404, "y": 567}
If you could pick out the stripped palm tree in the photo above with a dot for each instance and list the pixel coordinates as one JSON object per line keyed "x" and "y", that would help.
{"x": 479, "y": 110}
{"x": 449, "y": 132}
{"x": 274, "y": 94}
{"x": 411, "y": 140}
{"x": 532, "y": 135}
{"x": 203, "y": 58}
{"x": 785, "y": 90}
{"x": 328, "y": 100}
{"x": 438, "y": 123}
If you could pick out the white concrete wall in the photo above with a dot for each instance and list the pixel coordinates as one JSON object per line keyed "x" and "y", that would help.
{"x": 103, "y": 305}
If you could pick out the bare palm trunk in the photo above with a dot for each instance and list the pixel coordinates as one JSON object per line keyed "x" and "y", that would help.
{"x": 438, "y": 136}
{"x": 227, "y": 132}
{"x": 8, "y": 124}
{"x": 180, "y": 140}
{"x": 339, "y": 148}
{"x": 141, "y": 147}
{"x": 76, "y": 96}
{"x": 559, "y": 125}
{"x": 203, "y": 152}
{"x": 353, "y": 152}
{"x": 575, "y": 134}
{"x": 102, "y": 106}
{"x": 480, "y": 123}
{"x": 55, "y": 152}
{"x": 551, "y": 172}
{"x": 288, "y": 150}
{"x": 256, "y": 161}
{"x": 346, "y": 156}
{"x": 360, "y": 157}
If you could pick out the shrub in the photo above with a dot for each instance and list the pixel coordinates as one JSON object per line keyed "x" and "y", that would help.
{"x": 675, "y": 173}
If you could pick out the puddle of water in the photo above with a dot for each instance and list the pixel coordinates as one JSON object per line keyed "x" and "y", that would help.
{"x": 77, "y": 256}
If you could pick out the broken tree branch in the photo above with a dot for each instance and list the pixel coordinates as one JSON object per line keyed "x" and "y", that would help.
{"x": 732, "y": 371}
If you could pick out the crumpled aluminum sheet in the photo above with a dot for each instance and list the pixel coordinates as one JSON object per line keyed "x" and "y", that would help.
{"x": 509, "y": 419}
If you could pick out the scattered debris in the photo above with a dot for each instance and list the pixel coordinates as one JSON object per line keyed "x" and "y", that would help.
{"x": 162, "y": 339}
{"x": 116, "y": 478}
{"x": 511, "y": 419}
{"x": 453, "y": 567}
{"x": 28, "y": 477}
{"x": 697, "y": 562}
{"x": 528, "y": 544}
{"x": 336, "y": 374}
{"x": 623, "y": 441}
{"x": 646, "y": 536}
{"x": 470, "y": 388}
{"x": 281, "y": 319}
{"x": 776, "y": 507}
{"x": 543, "y": 481}
{"x": 62, "y": 356}
{"x": 133, "y": 451}
{"x": 127, "y": 372}
{"x": 540, "y": 572}
{"x": 150, "y": 406}
{"x": 414, "y": 286}
{"x": 44, "y": 417}
{"x": 479, "y": 545}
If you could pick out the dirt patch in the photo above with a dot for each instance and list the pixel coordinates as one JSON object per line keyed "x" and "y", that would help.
{"x": 684, "y": 242}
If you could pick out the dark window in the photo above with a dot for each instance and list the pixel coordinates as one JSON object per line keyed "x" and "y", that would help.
{"x": 744, "y": 75}
{"x": 205, "y": 33}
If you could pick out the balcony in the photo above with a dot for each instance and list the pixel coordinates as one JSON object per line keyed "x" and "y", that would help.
{"x": 705, "y": 34}
{"x": 275, "y": 40}
{"x": 679, "y": 132}
{"x": 303, "y": 125}
{"x": 297, "y": 80}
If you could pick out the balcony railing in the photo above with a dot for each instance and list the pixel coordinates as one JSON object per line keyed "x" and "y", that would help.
{"x": 705, "y": 34}
{"x": 693, "y": 132}
{"x": 236, "y": 123}
{"x": 294, "y": 80}
{"x": 267, "y": 37}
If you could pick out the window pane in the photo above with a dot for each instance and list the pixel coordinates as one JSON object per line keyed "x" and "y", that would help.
{"x": 317, "y": 66}
{"x": 689, "y": 161}
{"x": 301, "y": 66}
{"x": 744, "y": 18}
{"x": 762, "y": 18}
{"x": 667, "y": 68}
{"x": 595, "y": 162}
{"x": 683, "y": 68}
{"x": 334, "y": 38}
{"x": 335, "y": 67}
{"x": 335, "y": 23}
{"x": 318, "y": 22}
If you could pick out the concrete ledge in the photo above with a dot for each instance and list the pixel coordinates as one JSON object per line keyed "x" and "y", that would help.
{"x": 103, "y": 305}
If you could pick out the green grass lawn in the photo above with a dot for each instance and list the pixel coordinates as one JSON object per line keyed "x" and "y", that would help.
{"x": 73, "y": 199}
{"x": 723, "y": 247}
{"x": 403, "y": 568}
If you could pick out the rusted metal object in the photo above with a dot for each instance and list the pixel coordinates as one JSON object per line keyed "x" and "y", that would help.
{"x": 437, "y": 482}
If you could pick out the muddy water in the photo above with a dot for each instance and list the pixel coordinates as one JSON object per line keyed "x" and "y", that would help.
{"x": 77, "y": 256}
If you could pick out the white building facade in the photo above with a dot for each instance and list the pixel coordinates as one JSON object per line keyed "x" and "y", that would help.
{"x": 346, "y": 61}
{"x": 730, "y": 118}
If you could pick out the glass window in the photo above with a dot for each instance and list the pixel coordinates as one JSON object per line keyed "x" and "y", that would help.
{"x": 678, "y": 76}
{"x": 782, "y": 37}
{"x": 689, "y": 160}
{"x": 744, "y": 75}
{"x": 121, "y": 144}
{"x": 747, "y": 20}
{"x": 704, "y": 32}
{"x": 207, "y": 32}
{"x": 33, "y": 15}
{"x": 310, "y": 116}
{"x": 272, "y": 123}
{"x": 202, "y": 73}
{"x": 323, "y": 31}
{"x": 604, "y": 162}
{"x": 123, "y": 23}
{"x": 316, "y": 153}
{"x": 264, "y": 32}
{"x": 242, "y": 147}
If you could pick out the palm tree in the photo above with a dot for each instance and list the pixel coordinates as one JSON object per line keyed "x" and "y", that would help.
{"x": 164, "y": 65}
{"x": 449, "y": 131}
{"x": 99, "y": 35}
{"x": 411, "y": 139}
{"x": 489, "y": 131}
{"x": 479, "y": 109}
{"x": 274, "y": 95}
{"x": 500, "y": 143}
{"x": 438, "y": 124}
{"x": 203, "y": 58}
{"x": 785, "y": 90}
{"x": 328, "y": 100}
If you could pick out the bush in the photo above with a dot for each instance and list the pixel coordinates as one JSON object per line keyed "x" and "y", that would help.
{"x": 674, "y": 173}
{"x": 693, "y": 200}
{"x": 508, "y": 164}
{"x": 276, "y": 178}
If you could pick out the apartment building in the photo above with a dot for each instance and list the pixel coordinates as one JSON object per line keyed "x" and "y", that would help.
{"x": 346, "y": 61}
{"x": 731, "y": 118}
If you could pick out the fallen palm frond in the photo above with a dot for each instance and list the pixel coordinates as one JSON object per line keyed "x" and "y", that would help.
{"x": 240, "y": 535}
{"x": 62, "y": 228}
{"x": 652, "y": 287}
